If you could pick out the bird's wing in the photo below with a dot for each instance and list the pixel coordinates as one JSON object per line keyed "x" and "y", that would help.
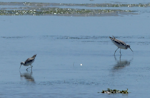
{"x": 29, "y": 60}
{"x": 117, "y": 41}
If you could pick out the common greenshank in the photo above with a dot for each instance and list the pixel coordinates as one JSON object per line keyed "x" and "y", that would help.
{"x": 28, "y": 62}
{"x": 120, "y": 44}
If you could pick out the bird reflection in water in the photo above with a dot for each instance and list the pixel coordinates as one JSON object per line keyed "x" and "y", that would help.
{"x": 28, "y": 76}
{"x": 121, "y": 63}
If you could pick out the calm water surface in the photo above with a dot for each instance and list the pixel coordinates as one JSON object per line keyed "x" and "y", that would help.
{"x": 62, "y": 44}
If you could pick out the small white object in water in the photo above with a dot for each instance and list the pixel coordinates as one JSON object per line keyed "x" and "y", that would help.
{"x": 80, "y": 64}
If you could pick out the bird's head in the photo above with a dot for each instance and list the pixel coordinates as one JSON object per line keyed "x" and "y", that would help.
{"x": 21, "y": 64}
{"x": 128, "y": 46}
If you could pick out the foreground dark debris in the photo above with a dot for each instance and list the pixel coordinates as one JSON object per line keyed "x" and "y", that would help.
{"x": 114, "y": 91}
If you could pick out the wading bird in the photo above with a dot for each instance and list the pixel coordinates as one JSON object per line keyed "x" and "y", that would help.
{"x": 120, "y": 44}
{"x": 28, "y": 62}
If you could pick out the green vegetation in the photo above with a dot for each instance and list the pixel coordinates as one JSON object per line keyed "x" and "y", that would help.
{"x": 65, "y": 12}
{"x": 63, "y": 9}
{"x": 119, "y": 4}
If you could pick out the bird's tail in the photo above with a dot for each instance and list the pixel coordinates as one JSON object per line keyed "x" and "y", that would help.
{"x": 112, "y": 38}
{"x": 34, "y": 56}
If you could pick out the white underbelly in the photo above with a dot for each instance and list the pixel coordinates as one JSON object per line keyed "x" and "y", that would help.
{"x": 119, "y": 46}
{"x": 27, "y": 64}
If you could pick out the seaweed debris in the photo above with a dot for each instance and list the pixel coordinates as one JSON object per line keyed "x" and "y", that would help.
{"x": 114, "y": 91}
{"x": 63, "y": 9}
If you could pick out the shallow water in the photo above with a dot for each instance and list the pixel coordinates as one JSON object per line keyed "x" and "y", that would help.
{"x": 62, "y": 44}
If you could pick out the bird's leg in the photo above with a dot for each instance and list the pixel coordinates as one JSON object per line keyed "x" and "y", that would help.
{"x": 116, "y": 50}
{"x": 120, "y": 58}
{"x": 115, "y": 58}
{"x": 29, "y": 67}
{"x": 120, "y": 51}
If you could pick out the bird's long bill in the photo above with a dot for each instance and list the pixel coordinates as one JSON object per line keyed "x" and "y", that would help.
{"x": 20, "y": 66}
{"x": 131, "y": 49}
